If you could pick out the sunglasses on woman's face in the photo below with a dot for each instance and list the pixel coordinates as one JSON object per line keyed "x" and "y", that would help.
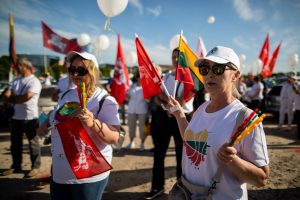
{"x": 80, "y": 71}
{"x": 217, "y": 69}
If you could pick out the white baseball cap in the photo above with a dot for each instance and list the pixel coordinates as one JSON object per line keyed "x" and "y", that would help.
{"x": 221, "y": 55}
{"x": 84, "y": 55}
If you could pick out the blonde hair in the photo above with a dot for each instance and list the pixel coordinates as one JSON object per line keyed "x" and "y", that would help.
{"x": 93, "y": 73}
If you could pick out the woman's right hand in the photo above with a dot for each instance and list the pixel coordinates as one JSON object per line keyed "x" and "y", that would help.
{"x": 173, "y": 107}
{"x": 43, "y": 129}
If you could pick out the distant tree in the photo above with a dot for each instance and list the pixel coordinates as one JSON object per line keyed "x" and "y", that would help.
{"x": 5, "y": 65}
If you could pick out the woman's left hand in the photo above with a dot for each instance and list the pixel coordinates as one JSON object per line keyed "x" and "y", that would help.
{"x": 226, "y": 154}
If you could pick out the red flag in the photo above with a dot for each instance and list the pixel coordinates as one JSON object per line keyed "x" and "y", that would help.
{"x": 84, "y": 157}
{"x": 12, "y": 50}
{"x": 56, "y": 42}
{"x": 120, "y": 81}
{"x": 264, "y": 53}
{"x": 201, "y": 50}
{"x": 150, "y": 79}
{"x": 268, "y": 69}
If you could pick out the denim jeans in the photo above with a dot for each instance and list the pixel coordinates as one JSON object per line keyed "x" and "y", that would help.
{"x": 86, "y": 191}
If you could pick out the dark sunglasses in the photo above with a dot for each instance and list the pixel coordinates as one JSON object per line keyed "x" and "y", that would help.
{"x": 217, "y": 69}
{"x": 80, "y": 71}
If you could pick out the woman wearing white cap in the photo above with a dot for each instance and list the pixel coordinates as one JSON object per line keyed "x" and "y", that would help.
{"x": 77, "y": 159}
{"x": 206, "y": 136}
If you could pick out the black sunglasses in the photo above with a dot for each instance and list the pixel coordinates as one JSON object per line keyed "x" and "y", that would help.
{"x": 217, "y": 69}
{"x": 80, "y": 71}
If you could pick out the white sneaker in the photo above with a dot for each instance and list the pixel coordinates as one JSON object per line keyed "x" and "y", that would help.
{"x": 142, "y": 147}
{"x": 131, "y": 145}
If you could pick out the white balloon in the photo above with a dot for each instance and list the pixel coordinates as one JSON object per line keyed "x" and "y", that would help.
{"x": 83, "y": 39}
{"x": 211, "y": 20}
{"x": 102, "y": 42}
{"x": 174, "y": 42}
{"x": 242, "y": 58}
{"x": 293, "y": 59}
{"x": 131, "y": 58}
{"x": 111, "y": 8}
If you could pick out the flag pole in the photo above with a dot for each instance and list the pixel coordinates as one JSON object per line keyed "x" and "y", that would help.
{"x": 45, "y": 64}
{"x": 176, "y": 81}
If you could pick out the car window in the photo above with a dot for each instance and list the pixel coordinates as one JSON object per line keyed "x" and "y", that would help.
{"x": 47, "y": 92}
{"x": 275, "y": 91}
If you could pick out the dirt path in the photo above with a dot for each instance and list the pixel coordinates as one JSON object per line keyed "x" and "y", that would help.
{"x": 131, "y": 177}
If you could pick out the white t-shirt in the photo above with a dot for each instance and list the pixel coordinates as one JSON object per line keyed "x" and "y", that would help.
{"x": 255, "y": 88}
{"x": 63, "y": 84}
{"x": 297, "y": 97}
{"x": 137, "y": 104}
{"x": 287, "y": 93}
{"x": 205, "y": 134}
{"x": 62, "y": 172}
{"x": 29, "y": 109}
{"x": 169, "y": 80}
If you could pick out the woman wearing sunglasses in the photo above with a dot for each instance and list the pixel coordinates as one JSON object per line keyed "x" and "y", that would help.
{"x": 206, "y": 136}
{"x": 75, "y": 176}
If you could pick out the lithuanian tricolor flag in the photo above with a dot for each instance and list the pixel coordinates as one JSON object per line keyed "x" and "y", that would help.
{"x": 186, "y": 72}
{"x": 12, "y": 50}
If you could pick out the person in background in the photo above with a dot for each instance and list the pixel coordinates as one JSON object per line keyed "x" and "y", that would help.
{"x": 137, "y": 111}
{"x": 256, "y": 93}
{"x": 102, "y": 126}
{"x": 164, "y": 130}
{"x": 287, "y": 95}
{"x": 242, "y": 89}
{"x": 63, "y": 83}
{"x": 206, "y": 136}
{"x": 296, "y": 89}
{"x": 24, "y": 93}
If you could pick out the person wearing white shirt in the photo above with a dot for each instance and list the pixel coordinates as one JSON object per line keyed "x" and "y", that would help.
{"x": 287, "y": 96}
{"x": 137, "y": 111}
{"x": 24, "y": 93}
{"x": 256, "y": 93}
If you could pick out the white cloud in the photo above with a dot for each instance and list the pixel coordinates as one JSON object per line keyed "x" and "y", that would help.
{"x": 245, "y": 12}
{"x": 138, "y": 5}
{"x": 155, "y": 11}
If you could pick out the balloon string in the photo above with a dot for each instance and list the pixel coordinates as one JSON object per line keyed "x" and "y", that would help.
{"x": 107, "y": 25}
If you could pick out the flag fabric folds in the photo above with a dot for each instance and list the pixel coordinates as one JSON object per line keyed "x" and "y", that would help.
{"x": 58, "y": 43}
{"x": 201, "y": 49}
{"x": 267, "y": 71}
{"x": 149, "y": 77}
{"x": 120, "y": 82}
{"x": 264, "y": 53}
{"x": 186, "y": 72}
{"x": 84, "y": 157}
{"x": 12, "y": 50}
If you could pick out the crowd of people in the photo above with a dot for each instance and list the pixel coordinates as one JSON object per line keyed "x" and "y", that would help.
{"x": 84, "y": 128}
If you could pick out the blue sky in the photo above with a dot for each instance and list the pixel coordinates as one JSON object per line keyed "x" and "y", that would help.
{"x": 240, "y": 24}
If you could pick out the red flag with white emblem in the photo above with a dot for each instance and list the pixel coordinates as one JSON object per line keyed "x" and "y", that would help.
{"x": 150, "y": 79}
{"x": 58, "y": 43}
{"x": 120, "y": 82}
{"x": 84, "y": 157}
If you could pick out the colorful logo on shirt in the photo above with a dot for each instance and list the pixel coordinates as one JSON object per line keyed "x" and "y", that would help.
{"x": 195, "y": 146}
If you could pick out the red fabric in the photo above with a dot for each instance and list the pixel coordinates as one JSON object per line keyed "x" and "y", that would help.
{"x": 183, "y": 74}
{"x": 268, "y": 69}
{"x": 150, "y": 79}
{"x": 120, "y": 82}
{"x": 264, "y": 53}
{"x": 84, "y": 157}
{"x": 57, "y": 43}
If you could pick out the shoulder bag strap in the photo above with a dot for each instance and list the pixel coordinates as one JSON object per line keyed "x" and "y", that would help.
{"x": 101, "y": 103}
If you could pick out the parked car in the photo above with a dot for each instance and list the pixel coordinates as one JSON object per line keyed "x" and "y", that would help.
{"x": 273, "y": 100}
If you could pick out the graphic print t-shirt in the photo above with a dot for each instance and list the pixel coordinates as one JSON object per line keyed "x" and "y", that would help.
{"x": 205, "y": 134}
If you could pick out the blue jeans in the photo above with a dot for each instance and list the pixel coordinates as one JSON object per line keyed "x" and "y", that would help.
{"x": 84, "y": 191}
